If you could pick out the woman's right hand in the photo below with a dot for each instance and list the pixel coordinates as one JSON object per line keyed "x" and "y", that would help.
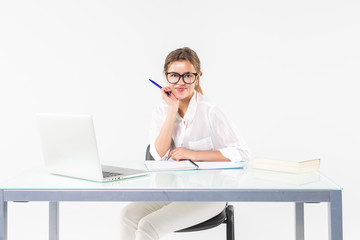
{"x": 171, "y": 100}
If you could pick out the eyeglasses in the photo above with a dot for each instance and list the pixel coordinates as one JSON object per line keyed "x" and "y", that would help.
{"x": 174, "y": 78}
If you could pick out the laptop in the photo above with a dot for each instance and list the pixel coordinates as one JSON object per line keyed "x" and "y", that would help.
{"x": 69, "y": 149}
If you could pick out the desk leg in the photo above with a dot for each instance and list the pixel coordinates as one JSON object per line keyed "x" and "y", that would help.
{"x": 53, "y": 220}
{"x": 299, "y": 220}
{"x": 3, "y": 217}
{"x": 335, "y": 216}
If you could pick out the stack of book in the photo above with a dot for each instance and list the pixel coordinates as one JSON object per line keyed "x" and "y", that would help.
{"x": 287, "y": 171}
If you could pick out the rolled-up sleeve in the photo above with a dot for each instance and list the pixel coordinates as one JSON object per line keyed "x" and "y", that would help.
{"x": 157, "y": 121}
{"x": 232, "y": 145}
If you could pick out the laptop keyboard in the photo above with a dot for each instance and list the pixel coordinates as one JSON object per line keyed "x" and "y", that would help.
{"x": 110, "y": 174}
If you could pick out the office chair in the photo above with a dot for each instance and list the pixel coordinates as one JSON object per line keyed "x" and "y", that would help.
{"x": 226, "y": 216}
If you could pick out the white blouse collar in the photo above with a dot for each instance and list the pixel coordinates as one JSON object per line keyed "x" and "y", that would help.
{"x": 190, "y": 112}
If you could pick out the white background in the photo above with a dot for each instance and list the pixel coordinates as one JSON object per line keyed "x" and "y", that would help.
{"x": 285, "y": 72}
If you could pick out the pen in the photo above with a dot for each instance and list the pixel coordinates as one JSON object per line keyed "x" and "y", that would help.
{"x": 158, "y": 86}
{"x": 193, "y": 163}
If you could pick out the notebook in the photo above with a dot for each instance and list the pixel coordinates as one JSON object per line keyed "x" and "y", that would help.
{"x": 70, "y": 149}
{"x": 172, "y": 165}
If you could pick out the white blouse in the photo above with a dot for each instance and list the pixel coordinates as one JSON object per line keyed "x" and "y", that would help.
{"x": 204, "y": 128}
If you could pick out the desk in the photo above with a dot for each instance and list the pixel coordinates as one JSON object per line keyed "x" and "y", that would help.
{"x": 213, "y": 185}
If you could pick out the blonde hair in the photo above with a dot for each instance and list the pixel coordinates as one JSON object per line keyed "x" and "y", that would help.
{"x": 186, "y": 54}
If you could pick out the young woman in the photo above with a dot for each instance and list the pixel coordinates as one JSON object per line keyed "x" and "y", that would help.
{"x": 185, "y": 125}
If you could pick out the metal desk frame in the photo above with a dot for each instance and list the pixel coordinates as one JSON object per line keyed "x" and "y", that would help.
{"x": 299, "y": 197}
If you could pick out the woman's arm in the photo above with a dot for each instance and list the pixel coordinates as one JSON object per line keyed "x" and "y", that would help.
{"x": 210, "y": 156}
{"x": 180, "y": 153}
{"x": 163, "y": 141}
{"x": 225, "y": 131}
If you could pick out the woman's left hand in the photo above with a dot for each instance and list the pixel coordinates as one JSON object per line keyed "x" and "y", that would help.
{"x": 181, "y": 153}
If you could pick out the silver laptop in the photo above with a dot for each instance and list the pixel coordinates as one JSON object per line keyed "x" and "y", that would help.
{"x": 69, "y": 149}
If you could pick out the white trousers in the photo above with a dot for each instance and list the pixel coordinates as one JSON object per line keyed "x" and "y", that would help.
{"x": 153, "y": 220}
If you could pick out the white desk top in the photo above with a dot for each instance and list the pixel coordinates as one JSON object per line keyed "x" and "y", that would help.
{"x": 39, "y": 179}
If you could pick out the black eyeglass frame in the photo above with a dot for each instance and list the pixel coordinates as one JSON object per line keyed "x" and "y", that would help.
{"x": 180, "y": 76}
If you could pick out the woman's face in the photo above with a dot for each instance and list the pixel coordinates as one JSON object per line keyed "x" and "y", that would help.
{"x": 182, "y": 90}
